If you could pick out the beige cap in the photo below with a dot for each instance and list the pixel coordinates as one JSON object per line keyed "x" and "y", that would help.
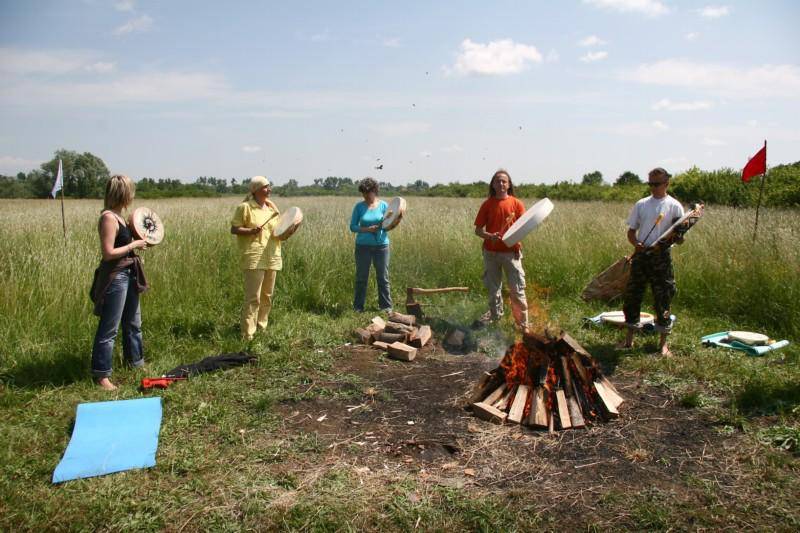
{"x": 258, "y": 182}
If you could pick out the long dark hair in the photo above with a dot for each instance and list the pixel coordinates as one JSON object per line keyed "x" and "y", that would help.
{"x": 505, "y": 173}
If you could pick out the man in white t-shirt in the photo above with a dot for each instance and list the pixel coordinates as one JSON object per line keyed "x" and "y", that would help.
{"x": 652, "y": 262}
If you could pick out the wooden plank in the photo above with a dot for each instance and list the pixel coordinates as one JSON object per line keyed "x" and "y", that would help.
{"x": 582, "y": 372}
{"x": 422, "y": 337}
{"x": 608, "y": 403}
{"x": 502, "y": 403}
{"x": 489, "y": 413}
{"x": 381, "y": 345}
{"x": 538, "y": 416}
{"x": 495, "y": 395}
{"x": 518, "y": 406}
{"x": 409, "y": 320}
{"x": 607, "y": 384}
{"x": 574, "y": 345}
{"x": 403, "y": 352}
{"x": 612, "y": 393}
{"x": 563, "y": 410}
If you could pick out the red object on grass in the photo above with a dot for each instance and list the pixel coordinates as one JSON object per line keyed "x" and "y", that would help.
{"x": 757, "y": 165}
{"x": 158, "y": 383}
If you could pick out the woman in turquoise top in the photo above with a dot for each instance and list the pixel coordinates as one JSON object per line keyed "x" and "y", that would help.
{"x": 372, "y": 245}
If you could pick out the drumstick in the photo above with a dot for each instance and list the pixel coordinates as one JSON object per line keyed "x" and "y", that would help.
{"x": 270, "y": 218}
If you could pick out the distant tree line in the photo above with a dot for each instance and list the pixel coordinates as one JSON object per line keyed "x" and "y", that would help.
{"x": 85, "y": 176}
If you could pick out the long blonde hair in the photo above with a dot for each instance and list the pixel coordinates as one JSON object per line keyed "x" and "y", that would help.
{"x": 120, "y": 190}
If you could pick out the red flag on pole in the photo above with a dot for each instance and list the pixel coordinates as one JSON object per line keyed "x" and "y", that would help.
{"x": 757, "y": 165}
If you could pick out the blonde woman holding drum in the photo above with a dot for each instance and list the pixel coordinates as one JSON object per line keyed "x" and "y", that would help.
{"x": 117, "y": 283}
{"x": 259, "y": 254}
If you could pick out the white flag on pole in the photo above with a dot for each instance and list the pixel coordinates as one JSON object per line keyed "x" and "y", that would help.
{"x": 59, "y": 181}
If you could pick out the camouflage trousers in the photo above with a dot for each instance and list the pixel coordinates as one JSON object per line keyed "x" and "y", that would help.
{"x": 654, "y": 268}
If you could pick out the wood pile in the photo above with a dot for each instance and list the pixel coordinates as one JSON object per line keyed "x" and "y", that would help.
{"x": 546, "y": 381}
{"x": 400, "y": 335}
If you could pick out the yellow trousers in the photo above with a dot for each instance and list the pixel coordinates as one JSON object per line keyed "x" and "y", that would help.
{"x": 258, "y": 288}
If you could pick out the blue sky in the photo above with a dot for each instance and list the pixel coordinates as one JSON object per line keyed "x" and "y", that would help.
{"x": 439, "y": 91}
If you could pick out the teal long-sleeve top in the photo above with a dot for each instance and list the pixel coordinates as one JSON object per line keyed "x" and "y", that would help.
{"x": 364, "y": 217}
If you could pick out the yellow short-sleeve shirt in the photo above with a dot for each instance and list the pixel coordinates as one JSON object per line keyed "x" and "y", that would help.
{"x": 261, "y": 251}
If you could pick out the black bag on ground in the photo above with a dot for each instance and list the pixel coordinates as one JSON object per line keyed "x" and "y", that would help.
{"x": 211, "y": 363}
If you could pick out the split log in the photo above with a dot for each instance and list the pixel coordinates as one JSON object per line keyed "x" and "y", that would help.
{"x": 606, "y": 399}
{"x": 563, "y": 410}
{"x": 538, "y": 416}
{"x": 573, "y": 345}
{"x": 390, "y": 337}
{"x": 397, "y": 327}
{"x": 409, "y": 320}
{"x": 381, "y": 345}
{"x": 574, "y": 408}
{"x": 608, "y": 385}
{"x": 582, "y": 372}
{"x": 379, "y": 323}
{"x": 364, "y": 336}
{"x": 488, "y": 413}
{"x": 403, "y": 352}
{"x": 502, "y": 403}
{"x": 421, "y": 337}
{"x": 518, "y": 405}
{"x": 488, "y": 382}
{"x": 494, "y": 396}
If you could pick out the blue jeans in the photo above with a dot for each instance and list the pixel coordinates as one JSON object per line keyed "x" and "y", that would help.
{"x": 121, "y": 303}
{"x": 366, "y": 256}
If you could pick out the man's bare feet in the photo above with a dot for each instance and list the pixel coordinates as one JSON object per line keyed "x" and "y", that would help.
{"x": 665, "y": 352}
{"x": 106, "y": 384}
{"x": 663, "y": 348}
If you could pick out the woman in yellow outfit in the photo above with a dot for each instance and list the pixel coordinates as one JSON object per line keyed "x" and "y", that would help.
{"x": 259, "y": 252}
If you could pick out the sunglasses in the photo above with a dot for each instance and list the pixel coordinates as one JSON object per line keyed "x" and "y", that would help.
{"x": 656, "y": 183}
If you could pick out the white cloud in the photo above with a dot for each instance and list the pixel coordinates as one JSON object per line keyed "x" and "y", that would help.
{"x": 552, "y": 56}
{"x": 708, "y": 141}
{"x": 669, "y": 105}
{"x": 125, "y": 5}
{"x": 50, "y": 62}
{"x": 392, "y": 42}
{"x": 734, "y": 82}
{"x": 250, "y": 149}
{"x": 398, "y": 129}
{"x": 752, "y": 123}
{"x": 323, "y": 37}
{"x": 425, "y": 153}
{"x": 11, "y": 164}
{"x": 101, "y": 67}
{"x": 714, "y": 12}
{"x": 135, "y": 25}
{"x": 650, "y": 8}
{"x": 591, "y": 57}
{"x": 692, "y": 36}
{"x": 657, "y": 124}
{"x": 592, "y": 40}
{"x": 452, "y": 149}
{"x": 495, "y": 58}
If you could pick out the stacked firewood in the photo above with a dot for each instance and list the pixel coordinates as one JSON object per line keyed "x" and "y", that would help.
{"x": 546, "y": 381}
{"x": 400, "y": 335}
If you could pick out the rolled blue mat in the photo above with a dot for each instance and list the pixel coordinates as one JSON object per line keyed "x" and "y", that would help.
{"x": 111, "y": 437}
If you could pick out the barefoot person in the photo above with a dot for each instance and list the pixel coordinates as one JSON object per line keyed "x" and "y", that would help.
{"x": 497, "y": 213}
{"x": 372, "y": 246}
{"x": 118, "y": 281}
{"x": 649, "y": 219}
{"x": 259, "y": 254}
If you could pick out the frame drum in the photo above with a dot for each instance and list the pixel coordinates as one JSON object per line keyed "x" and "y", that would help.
{"x": 748, "y": 337}
{"x": 527, "y": 222}
{"x": 617, "y": 318}
{"x": 288, "y": 223}
{"x": 397, "y": 207}
{"x": 146, "y": 224}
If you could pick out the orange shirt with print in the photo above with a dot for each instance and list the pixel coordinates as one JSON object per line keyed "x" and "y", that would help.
{"x": 496, "y": 216}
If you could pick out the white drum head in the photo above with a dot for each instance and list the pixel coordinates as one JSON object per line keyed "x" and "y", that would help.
{"x": 146, "y": 224}
{"x": 618, "y": 318}
{"x": 528, "y": 222}
{"x": 288, "y": 223}
{"x": 748, "y": 337}
{"x": 397, "y": 206}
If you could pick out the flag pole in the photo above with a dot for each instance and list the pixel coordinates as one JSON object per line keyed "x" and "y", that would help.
{"x": 760, "y": 193}
{"x": 63, "y": 219}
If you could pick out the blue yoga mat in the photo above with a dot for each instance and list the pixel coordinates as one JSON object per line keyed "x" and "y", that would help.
{"x": 111, "y": 437}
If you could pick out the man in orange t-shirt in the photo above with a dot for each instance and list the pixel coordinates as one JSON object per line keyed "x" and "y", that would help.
{"x": 497, "y": 213}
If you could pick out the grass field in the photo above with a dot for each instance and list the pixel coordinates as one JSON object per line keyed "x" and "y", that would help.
{"x": 227, "y": 459}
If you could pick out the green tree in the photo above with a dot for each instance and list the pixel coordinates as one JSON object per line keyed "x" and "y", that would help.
{"x": 628, "y": 178}
{"x": 593, "y": 178}
{"x": 85, "y": 174}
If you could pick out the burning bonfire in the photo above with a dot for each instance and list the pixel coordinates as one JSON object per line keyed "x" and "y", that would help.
{"x": 546, "y": 381}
